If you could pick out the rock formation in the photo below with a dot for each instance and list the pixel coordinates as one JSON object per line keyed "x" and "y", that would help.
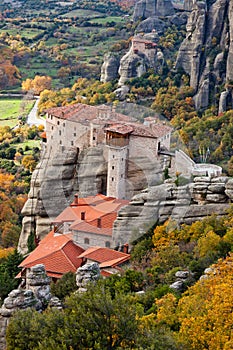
{"x": 109, "y": 69}
{"x": 183, "y": 204}
{"x": 52, "y": 183}
{"x": 36, "y": 295}
{"x": 139, "y": 58}
{"x": 182, "y": 279}
{"x": 88, "y": 273}
{"x": 150, "y": 8}
{"x": 206, "y": 53}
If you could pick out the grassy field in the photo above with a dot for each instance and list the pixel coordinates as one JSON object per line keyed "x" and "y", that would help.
{"x": 28, "y": 143}
{"x": 11, "y": 109}
{"x": 80, "y": 13}
{"x": 29, "y": 33}
{"x": 104, "y": 20}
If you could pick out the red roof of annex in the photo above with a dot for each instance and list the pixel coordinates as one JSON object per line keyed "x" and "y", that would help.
{"x": 58, "y": 253}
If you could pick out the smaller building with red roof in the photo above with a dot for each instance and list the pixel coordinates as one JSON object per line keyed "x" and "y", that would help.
{"x": 90, "y": 220}
{"x": 58, "y": 253}
{"x": 110, "y": 261}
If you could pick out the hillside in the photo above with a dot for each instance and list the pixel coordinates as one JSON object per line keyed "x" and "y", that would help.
{"x": 56, "y": 38}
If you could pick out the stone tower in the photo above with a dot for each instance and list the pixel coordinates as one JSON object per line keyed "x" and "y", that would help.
{"x": 117, "y": 140}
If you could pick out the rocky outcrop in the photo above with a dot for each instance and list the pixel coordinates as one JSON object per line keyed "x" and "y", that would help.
{"x": 183, "y": 204}
{"x": 109, "y": 69}
{"x": 206, "y": 53}
{"x": 183, "y": 278}
{"x": 139, "y": 59}
{"x": 52, "y": 186}
{"x": 88, "y": 273}
{"x": 36, "y": 295}
{"x": 150, "y": 24}
{"x": 132, "y": 65}
{"x": 149, "y": 8}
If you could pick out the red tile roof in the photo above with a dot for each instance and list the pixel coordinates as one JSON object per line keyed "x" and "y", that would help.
{"x": 105, "y": 256}
{"x": 161, "y": 129}
{"x": 84, "y": 113}
{"x": 58, "y": 253}
{"x": 95, "y": 208}
{"x": 154, "y": 131}
{"x": 120, "y": 129}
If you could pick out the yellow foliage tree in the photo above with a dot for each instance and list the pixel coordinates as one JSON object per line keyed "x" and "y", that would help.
{"x": 38, "y": 84}
{"x": 29, "y": 162}
{"x": 205, "y": 312}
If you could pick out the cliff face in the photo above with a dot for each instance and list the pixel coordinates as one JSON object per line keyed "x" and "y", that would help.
{"x": 52, "y": 183}
{"x": 206, "y": 53}
{"x": 184, "y": 204}
{"x": 137, "y": 61}
{"x": 62, "y": 173}
{"x": 109, "y": 69}
{"x": 150, "y": 8}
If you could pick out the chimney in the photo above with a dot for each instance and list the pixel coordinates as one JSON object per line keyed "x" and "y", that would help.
{"x": 99, "y": 222}
{"x": 76, "y": 199}
{"x": 83, "y": 215}
{"x": 126, "y": 248}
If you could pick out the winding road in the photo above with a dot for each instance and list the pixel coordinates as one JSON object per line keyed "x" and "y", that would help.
{"x": 32, "y": 118}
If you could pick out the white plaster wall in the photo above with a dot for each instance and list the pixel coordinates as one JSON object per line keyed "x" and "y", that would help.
{"x": 183, "y": 163}
{"x": 94, "y": 239}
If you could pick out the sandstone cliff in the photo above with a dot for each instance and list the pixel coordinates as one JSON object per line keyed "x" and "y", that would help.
{"x": 184, "y": 204}
{"x": 62, "y": 173}
{"x": 109, "y": 69}
{"x": 137, "y": 61}
{"x": 150, "y": 8}
{"x": 206, "y": 53}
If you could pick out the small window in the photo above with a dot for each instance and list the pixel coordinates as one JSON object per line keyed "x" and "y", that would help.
{"x": 72, "y": 143}
{"x": 113, "y": 167}
{"x": 112, "y": 178}
{"x": 51, "y": 137}
{"x": 113, "y": 156}
{"x": 94, "y": 138}
{"x": 74, "y": 133}
{"x": 86, "y": 241}
{"x": 58, "y": 123}
{"x": 51, "y": 117}
{"x": 60, "y": 142}
{"x": 107, "y": 244}
{"x": 59, "y": 132}
{"x": 122, "y": 176}
{"x": 122, "y": 159}
{"x": 52, "y": 127}
{"x": 64, "y": 124}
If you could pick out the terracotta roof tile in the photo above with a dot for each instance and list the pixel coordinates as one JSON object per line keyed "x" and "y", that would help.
{"x": 104, "y": 255}
{"x": 161, "y": 129}
{"x": 58, "y": 253}
{"x": 95, "y": 207}
{"x": 137, "y": 129}
{"x": 85, "y": 113}
{"x": 86, "y": 227}
{"x": 114, "y": 262}
{"x": 120, "y": 129}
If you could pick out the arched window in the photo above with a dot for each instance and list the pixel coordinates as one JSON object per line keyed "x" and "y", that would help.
{"x": 107, "y": 244}
{"x": 86, "y": 241}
